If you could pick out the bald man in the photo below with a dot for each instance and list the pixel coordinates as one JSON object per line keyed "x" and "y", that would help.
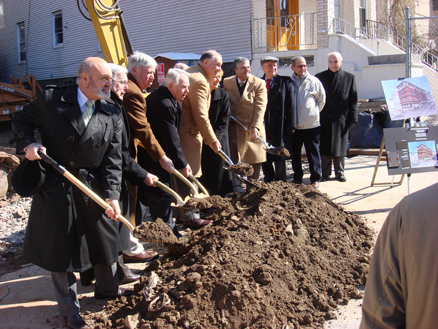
{"x": 67, "y": 232}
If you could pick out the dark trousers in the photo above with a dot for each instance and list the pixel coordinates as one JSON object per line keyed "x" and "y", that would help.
{"x": 338, "y": 164}
{"x": 310, "y": 139}
{"x": 271, "y": 174}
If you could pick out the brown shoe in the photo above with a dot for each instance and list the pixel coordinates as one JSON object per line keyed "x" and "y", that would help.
{"x": 198, "y": 222}
{"x": 144, "y": 256}
{"x": 75, "y": 322}
{"x": 315, "y": 185}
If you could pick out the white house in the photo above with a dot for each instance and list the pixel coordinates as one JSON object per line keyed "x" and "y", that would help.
{"x": 50, "y": 38}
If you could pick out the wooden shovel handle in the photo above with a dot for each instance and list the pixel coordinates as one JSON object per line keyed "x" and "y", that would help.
{"x": 82, "y": 187}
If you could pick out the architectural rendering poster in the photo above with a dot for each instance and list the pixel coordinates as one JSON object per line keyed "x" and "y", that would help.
{"x": 409, "y": 98}
{"x": 411, "y": 150}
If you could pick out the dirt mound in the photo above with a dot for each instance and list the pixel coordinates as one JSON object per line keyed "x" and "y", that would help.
{"x": 280, "y": 255}
{"x": 156, "y": 231}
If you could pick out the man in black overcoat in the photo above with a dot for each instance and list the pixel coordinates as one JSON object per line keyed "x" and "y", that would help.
{"x": 280, "y": 117}
{"x": 337, "y": 117}
{"x": 164, "y": 116}
{"x": 67, "y": 231}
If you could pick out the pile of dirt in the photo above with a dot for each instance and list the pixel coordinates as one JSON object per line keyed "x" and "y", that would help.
{"x": 212, "y": 201}
{"x": 156, "y": 231}
{"x": 242, "y": 168}
{"x": 281, "y": 255}
{"x": 280, "y": 151}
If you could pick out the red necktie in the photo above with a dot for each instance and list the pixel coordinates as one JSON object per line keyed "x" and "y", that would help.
{"x": 268, "y": 84}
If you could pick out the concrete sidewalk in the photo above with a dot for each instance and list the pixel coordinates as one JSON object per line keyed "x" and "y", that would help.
{"x": 27, "y": 299}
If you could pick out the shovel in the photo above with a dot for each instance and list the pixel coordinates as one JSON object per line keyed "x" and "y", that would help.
{"x": 186, "y": 181}
{"x": 179, "y": 200}
{"x": 230, "y": 163}
{"x": 280, "y": 151}
{"x": 82, "y": 186}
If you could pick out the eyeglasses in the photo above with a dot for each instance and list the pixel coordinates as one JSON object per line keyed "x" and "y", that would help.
{"x": 269, "y": 65}
{"x": 123, "y": 82}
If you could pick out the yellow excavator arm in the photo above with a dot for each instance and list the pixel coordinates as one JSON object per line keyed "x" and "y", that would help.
{"x": 110, "y": 30}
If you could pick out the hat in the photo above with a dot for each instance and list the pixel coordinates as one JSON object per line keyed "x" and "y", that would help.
{"x": 268, "y": 59}
{"x": 28, "y": 178}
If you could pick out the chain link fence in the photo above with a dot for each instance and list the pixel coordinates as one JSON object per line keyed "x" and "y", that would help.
{"x": 424, "y": 55}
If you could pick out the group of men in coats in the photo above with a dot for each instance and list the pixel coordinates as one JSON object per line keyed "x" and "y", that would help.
{"x": 122, "y": 146}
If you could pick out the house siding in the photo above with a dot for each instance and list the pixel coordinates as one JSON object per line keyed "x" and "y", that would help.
{"x": 153, "y": 26}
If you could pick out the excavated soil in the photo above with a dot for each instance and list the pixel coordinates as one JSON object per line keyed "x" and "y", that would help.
{"x": 280, "y": 151}
{"x": 212, "y": 201}
{"x": 156, "y": 231}
{"x": 241, "y": 168}
{"x": 281, "y": 255}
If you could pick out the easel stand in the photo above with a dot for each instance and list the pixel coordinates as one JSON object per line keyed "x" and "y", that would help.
{"x": 379, "y": 157}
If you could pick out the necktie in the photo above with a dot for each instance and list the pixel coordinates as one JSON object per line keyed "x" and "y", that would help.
{"x": 88, "y": 112}
{"x": 241, "y": 83}
{"x": 268, "y": 84}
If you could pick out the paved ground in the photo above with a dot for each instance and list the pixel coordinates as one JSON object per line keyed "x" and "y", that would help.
{"x": 27, "y": 299}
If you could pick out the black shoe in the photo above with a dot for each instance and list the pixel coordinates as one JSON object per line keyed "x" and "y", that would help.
{"x": 297, "y": 181}
{"x": 122, "y": 292}
{"x": 341, "y": 178}
{"x": 75, "y": 322}
{"x": 325, "y": 178}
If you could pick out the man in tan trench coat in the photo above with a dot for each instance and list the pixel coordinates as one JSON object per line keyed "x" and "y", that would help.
{"x": 248, "y": 99}
{"x": 195, "y": 125}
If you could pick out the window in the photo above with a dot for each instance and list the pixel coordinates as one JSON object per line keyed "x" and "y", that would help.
{"x": 363, "y": 13}
{"x": 58, "y": 37}
{"x": 21, "y": 40}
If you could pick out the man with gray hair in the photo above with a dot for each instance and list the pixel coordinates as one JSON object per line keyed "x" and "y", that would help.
{"x": 337, "y": 117}
{"x": 141, "y": 68}
{"x": 310, "y": 99}
{"x": 164, "y": 115}
{"x": 195, "y": 126}
{"x": 248, "y": 100}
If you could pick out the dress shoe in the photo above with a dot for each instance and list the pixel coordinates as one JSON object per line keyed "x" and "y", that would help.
{"x": 144, "y": 256}
{"x": 341, "y": 178}
{"x": 131, "y": 277}
{"x": 315, "y": 185}
{"x": 75, "y": 322}
{"x": 198, "y": 222}
{"x": 122, "y": 292}
{"x": 325, "y": 178}
{"x": 297, "y": 181}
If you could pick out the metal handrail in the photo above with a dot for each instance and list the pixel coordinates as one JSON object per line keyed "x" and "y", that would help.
{"x": 381, "y": 31}
{"x": 341, "y": 26}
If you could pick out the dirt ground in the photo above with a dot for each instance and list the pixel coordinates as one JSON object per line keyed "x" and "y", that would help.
{"x": 279, "y": 255}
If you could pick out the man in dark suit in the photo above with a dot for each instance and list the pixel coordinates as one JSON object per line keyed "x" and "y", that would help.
{"x": 337, "y": 117}
{"x": 164, "y": 115}
{"x": 280, "y": 116}
{"x": 67, "y": 232}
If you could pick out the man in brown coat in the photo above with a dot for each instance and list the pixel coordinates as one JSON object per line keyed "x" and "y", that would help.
{"x": 141, "y": 68}
{"x": 248, "y": 99}
{"x": 195, "y": 125}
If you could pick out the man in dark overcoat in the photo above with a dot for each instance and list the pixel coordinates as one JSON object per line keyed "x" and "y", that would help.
{"x": 280, "y": 117}
{"x": 215, "y": 178}
{"x": 337, "y": 117}
{"x": 164, "y": 115}
{"x": 67, "y": 231}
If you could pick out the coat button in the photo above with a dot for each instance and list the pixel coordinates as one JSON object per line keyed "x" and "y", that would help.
{"x": 72, "y": 163}
{"x": 70, "y": 138}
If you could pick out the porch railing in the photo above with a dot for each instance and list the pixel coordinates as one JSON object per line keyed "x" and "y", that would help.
{"x": 381, "y": 31}
{"x": 360, "y": 36}
{"x": 281, "y": 33}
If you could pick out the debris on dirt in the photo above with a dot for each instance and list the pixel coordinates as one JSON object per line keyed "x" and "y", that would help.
{"x": 283, "y": 255}
{"x": 156, "y": 231}
{"x": 242, "y": 169}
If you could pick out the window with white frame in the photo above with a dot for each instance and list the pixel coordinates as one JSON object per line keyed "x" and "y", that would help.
{"x": 58, "y": 36}
{"x": 21, "y": 42}
{"x": 363, "y": 13}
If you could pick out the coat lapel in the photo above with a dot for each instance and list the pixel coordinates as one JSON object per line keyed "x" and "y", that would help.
{"x": 98, "y": 121}
{"x": 73, "y": 114}
{"x": 248, "y": 89}
{"x": 274, "y": 89}
{"x": 338, "y": 77}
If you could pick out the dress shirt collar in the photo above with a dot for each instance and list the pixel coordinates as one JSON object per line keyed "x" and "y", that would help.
{"x": 82, "y": 99}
